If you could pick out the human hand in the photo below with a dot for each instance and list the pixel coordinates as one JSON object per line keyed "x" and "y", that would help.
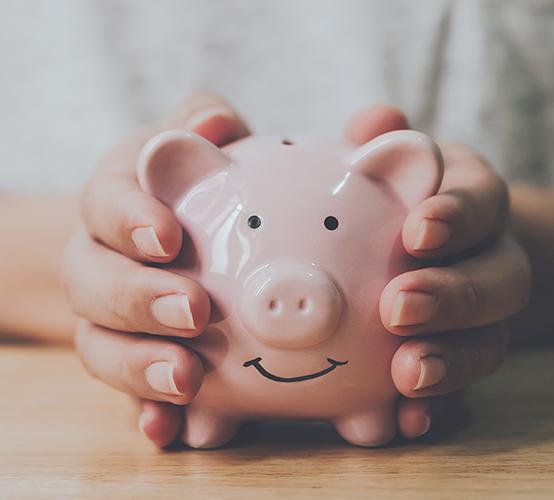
{"x": 121, "y": 298}
{"x": 452, "y": 313}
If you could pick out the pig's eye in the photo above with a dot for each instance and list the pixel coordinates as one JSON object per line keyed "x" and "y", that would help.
{"x": 254, "y": 222}
{"x": 331, "y": 223}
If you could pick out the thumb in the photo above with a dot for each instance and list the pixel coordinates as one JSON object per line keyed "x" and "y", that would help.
{"x": 210, "y": 116}
{"x": 373, "y": 121}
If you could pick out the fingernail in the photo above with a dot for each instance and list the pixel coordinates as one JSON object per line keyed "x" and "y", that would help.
{"x": 413, "y": 308}
{"x": 431, "y": 234}
{"x": 173, "y": 311}
{"x": 432, "y": 370}
{"x": 159, "y": 376}
{"x": 205, "y": 114}
{"x": 147, "y": 242}
{"x": 427, "y": 425}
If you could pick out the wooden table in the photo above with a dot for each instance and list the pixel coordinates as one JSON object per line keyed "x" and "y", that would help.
{"x": 63, "y": 434}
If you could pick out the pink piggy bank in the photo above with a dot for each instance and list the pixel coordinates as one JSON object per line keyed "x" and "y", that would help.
{"x": 294, "y": 243}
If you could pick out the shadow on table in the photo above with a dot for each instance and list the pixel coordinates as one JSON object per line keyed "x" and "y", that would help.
{"x": 288, "y": 434}
{"x": 514, "y": 409}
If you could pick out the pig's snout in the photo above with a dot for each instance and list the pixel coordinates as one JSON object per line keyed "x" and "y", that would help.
{"x": 290, "y": 305}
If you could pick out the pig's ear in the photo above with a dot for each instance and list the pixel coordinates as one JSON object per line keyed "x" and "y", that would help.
{"x": 409, "y": 163}
{"x": 172, "y": 162}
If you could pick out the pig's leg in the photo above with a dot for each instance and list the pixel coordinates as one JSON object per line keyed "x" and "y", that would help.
{"x": 204, "y": 429}
{"x": 372, "y": 427}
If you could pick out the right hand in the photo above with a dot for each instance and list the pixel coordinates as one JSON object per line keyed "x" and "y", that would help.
{"x": 109, "y": 283}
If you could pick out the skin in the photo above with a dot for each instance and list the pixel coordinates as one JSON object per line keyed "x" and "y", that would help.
{"x": 33, "y": 305}
{"x": 473, "y": 201}
{"x": 108, "y": 283}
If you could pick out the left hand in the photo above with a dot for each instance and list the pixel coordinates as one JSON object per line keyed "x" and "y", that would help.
{"x": 452, "y": 312}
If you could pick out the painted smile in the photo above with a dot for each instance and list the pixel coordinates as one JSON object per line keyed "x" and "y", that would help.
{"x": 256, "y": 363}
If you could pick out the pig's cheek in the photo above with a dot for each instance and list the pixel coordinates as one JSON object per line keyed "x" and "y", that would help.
{"x": 212, "y": 346}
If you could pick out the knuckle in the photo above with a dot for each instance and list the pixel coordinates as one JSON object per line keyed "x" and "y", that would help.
{"x": 128, "y": 297}
{"x": 457, "y": 203}
{"x": 141, "y": 281}
{"x": 470, "y": 301}
{"x": 124, "y": 209}
{"x": 121, "y": 209}
{"x": 459, "y": 211}
{"x": 122, "y": 308}
{"x": 128, "y": 211}
{"x": 133, "y": 297}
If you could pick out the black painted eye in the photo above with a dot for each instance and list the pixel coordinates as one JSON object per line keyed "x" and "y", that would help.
{"x": 331, "y": 223}
{"x": 254, "y": 221}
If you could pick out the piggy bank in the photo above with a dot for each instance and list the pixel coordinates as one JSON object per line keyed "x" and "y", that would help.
{"x": 294, "y": 242}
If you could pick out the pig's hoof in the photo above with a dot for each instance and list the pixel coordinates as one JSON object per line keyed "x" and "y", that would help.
{"x": 204, "y": 431}
{"x": 371, "y": 429}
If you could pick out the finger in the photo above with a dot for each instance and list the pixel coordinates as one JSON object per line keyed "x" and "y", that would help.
{"x": 210, "y": 116}
{"x": 110, "y": 290}
{"x": 414, "y": 417}
{"x": 143, "y": 366}
{"x": 161, "y": 422}
{"x": 477, "y": 291}
{"x": 115, "y": 209}
{"x": 373, "y": 121}
{"x": 417, "y": 416}
{"x": 471, "y": 207}
{"x": 430, "y": 366}
{"x": 123, "y": 217}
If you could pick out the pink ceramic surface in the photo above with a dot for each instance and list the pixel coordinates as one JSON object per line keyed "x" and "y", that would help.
{"x": 294, "y": 244}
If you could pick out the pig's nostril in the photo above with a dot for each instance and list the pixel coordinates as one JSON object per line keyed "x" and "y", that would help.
{"x": 303, "y": 306}
{"x": 274, "y": 306}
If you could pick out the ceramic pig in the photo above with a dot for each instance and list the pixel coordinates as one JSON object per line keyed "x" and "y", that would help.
{"x": 294, "y": 242}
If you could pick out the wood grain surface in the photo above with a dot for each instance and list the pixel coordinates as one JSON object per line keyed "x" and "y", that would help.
{"x": 64, "y": 435}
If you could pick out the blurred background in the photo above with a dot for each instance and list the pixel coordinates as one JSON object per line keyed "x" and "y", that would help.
{"x": 78, "y": 75}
